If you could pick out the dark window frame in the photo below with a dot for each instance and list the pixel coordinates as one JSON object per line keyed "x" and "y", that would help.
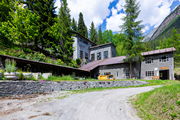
{"x": 92, "y": 57}
{"x": 99, "y": 57}
{"x": 106, "y": 54}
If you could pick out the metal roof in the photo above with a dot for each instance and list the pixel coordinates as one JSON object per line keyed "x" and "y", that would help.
{"x": 43, "y": 63}
{"x": 92, "y": 65}
{"x": 102, "y": 45}
{"x": 120, "y": 59}
{"x": 159, "y": 51}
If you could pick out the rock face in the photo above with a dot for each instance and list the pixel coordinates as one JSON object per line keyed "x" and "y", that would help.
{"x": 172, "y": 16}
{"x": 8, "y": 88}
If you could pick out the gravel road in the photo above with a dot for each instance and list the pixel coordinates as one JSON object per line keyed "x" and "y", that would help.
{"x": 101, "y": 105}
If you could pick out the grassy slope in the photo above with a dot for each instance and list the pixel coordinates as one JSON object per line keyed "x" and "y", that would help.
{"x": 160, "y": 104}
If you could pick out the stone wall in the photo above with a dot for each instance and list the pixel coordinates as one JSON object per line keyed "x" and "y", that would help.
{"x": 8, "y": 88}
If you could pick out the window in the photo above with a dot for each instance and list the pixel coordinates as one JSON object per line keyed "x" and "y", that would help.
{"x": 81, "y": 54}
{"x": 86, "y": 56}
{"x": 99, "y": 56}
{"x": 163, "y": 59}
{"x": 92, "y": 57}
{"x": 126, "y": 70}
{"x": 105, "y": 54}
{"x": 149, "y": 60}
{"x": 149, "y": 73}
{"x": 107, "y": 73}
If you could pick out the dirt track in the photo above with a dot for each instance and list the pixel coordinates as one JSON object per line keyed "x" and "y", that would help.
{"x": 100, "y": 105}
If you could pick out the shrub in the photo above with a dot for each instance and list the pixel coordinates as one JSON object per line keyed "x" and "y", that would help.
{"x": 10, "y": 65}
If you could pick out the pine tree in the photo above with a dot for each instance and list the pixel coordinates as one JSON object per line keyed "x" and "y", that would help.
{"x": 6, "y": 6}
{"x": 46, "y": 11}
{"x": 132, "y": 29}
{"x": 93, "y": 33}
{"x": 61, "y": 31}
{"x": 100, "y": 37}
{"x": 82, "y": 29}
{"x": 74, "y": 25}
{"x": 22, "y": 28}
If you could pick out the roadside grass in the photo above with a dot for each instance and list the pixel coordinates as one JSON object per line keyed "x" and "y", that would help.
{"x": 150, "y": 83}
{"x": 160, "y": 104}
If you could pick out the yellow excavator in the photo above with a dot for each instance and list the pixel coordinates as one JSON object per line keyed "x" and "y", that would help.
{"x": 106, "y": 77}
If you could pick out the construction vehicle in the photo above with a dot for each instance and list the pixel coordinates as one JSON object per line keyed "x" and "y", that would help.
{"x": 106, "y": 77}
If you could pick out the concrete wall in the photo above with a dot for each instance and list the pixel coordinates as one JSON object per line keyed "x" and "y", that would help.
{"x": 28, "y": 87}
{"x": 119, "y": 70}
{"x": 157, "y": 65}
{"x": 81, "y": 44}
{"x": 110, "y": 48}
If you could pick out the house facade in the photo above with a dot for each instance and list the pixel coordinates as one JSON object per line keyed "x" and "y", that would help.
{"x": 88, "y": 51}
{"x": 157, "y": 64}
{"x": 103, "y": 51}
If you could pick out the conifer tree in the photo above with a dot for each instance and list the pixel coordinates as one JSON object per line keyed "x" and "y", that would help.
{"x": 100, "y": 37}
{"x": 82, "y": 29}
{"x": 46, "y": 11}
{"x": 61, "y": 31}
{"x": 93, "y": 33}
{"x": 132, "y": 29}
{"x": 74, "y": 25}
{"x": 6, "y": 6}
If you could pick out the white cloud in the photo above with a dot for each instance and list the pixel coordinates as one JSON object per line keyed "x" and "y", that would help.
{"x": 115, "y": 21}
{"x": 93, "y": 10}
{"x": 153, "y": 12}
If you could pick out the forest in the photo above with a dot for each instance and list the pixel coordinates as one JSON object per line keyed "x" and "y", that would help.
{"x": 33, "y": 29}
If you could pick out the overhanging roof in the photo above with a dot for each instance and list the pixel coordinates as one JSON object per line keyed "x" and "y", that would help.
{"x": 120, "y": 59}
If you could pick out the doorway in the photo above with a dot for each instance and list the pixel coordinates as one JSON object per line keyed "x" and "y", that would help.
{"x": 164, "y": 74}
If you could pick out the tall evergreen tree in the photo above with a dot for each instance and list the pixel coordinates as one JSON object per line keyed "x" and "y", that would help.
{"x": 22, "y": 28}
{"x": 100, "y": 37}
{"x": 82, "y": 29}
{"x": 74, "y": 25}
{"x": 6, "y": 6}
{"x": 46, "y": 11}
{"x": 132, "y": 29}
{"x": 93, "y": 33}
{"x": 61, "y": 31}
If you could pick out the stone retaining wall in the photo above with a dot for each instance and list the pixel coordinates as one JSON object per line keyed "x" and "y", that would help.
{"x": 8, "y": 88}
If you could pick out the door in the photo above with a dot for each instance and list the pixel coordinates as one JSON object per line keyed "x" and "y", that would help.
{"x": 164, "y": 74}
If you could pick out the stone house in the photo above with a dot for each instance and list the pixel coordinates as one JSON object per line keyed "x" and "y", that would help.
{"x": 157, "y": 64}
{"x": 87, "y": 51}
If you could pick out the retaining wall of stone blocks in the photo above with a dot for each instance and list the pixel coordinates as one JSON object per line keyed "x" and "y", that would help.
{"x": 8, "y": 88}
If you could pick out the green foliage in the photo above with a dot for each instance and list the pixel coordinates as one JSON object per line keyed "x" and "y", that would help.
{"x": 74, "y": 25}
{"x": 107, "y": 36}
{"x": 93, "y": 33}
{"x": 23, "y": 27}
{"x": 100, "y": 36}
{"x": 82, "y": 29}
{"x": 159, "y": 104}
{"x": 45, "y": 10}
{"x": 60, "y": 78}
{"x": 61, "y": 31}
{"x": 132, "y": 29}
{"x": 10, "y": 65}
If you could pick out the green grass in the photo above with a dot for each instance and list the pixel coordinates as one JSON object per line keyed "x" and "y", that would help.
{"x": 160, "y": 104}
{"x": 68, "y": 78}
{"x": 151, "y": 83}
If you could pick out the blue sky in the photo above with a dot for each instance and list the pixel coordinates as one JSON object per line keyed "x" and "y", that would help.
{"x": 109, "y": 13}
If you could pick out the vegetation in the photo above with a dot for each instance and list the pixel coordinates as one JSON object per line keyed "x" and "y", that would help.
{"x": 82, "y": 29}
{"x": 93, "y": 33}
{"x": 132, "y": 29}
{"x": 10, "y": 65}
{"x": 61, "y": 32}
{"x": 160, "y": 104}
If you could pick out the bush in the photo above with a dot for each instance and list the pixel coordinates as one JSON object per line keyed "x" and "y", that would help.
{"x": 10, "y": 65}
{"x": 60, "y": 78}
